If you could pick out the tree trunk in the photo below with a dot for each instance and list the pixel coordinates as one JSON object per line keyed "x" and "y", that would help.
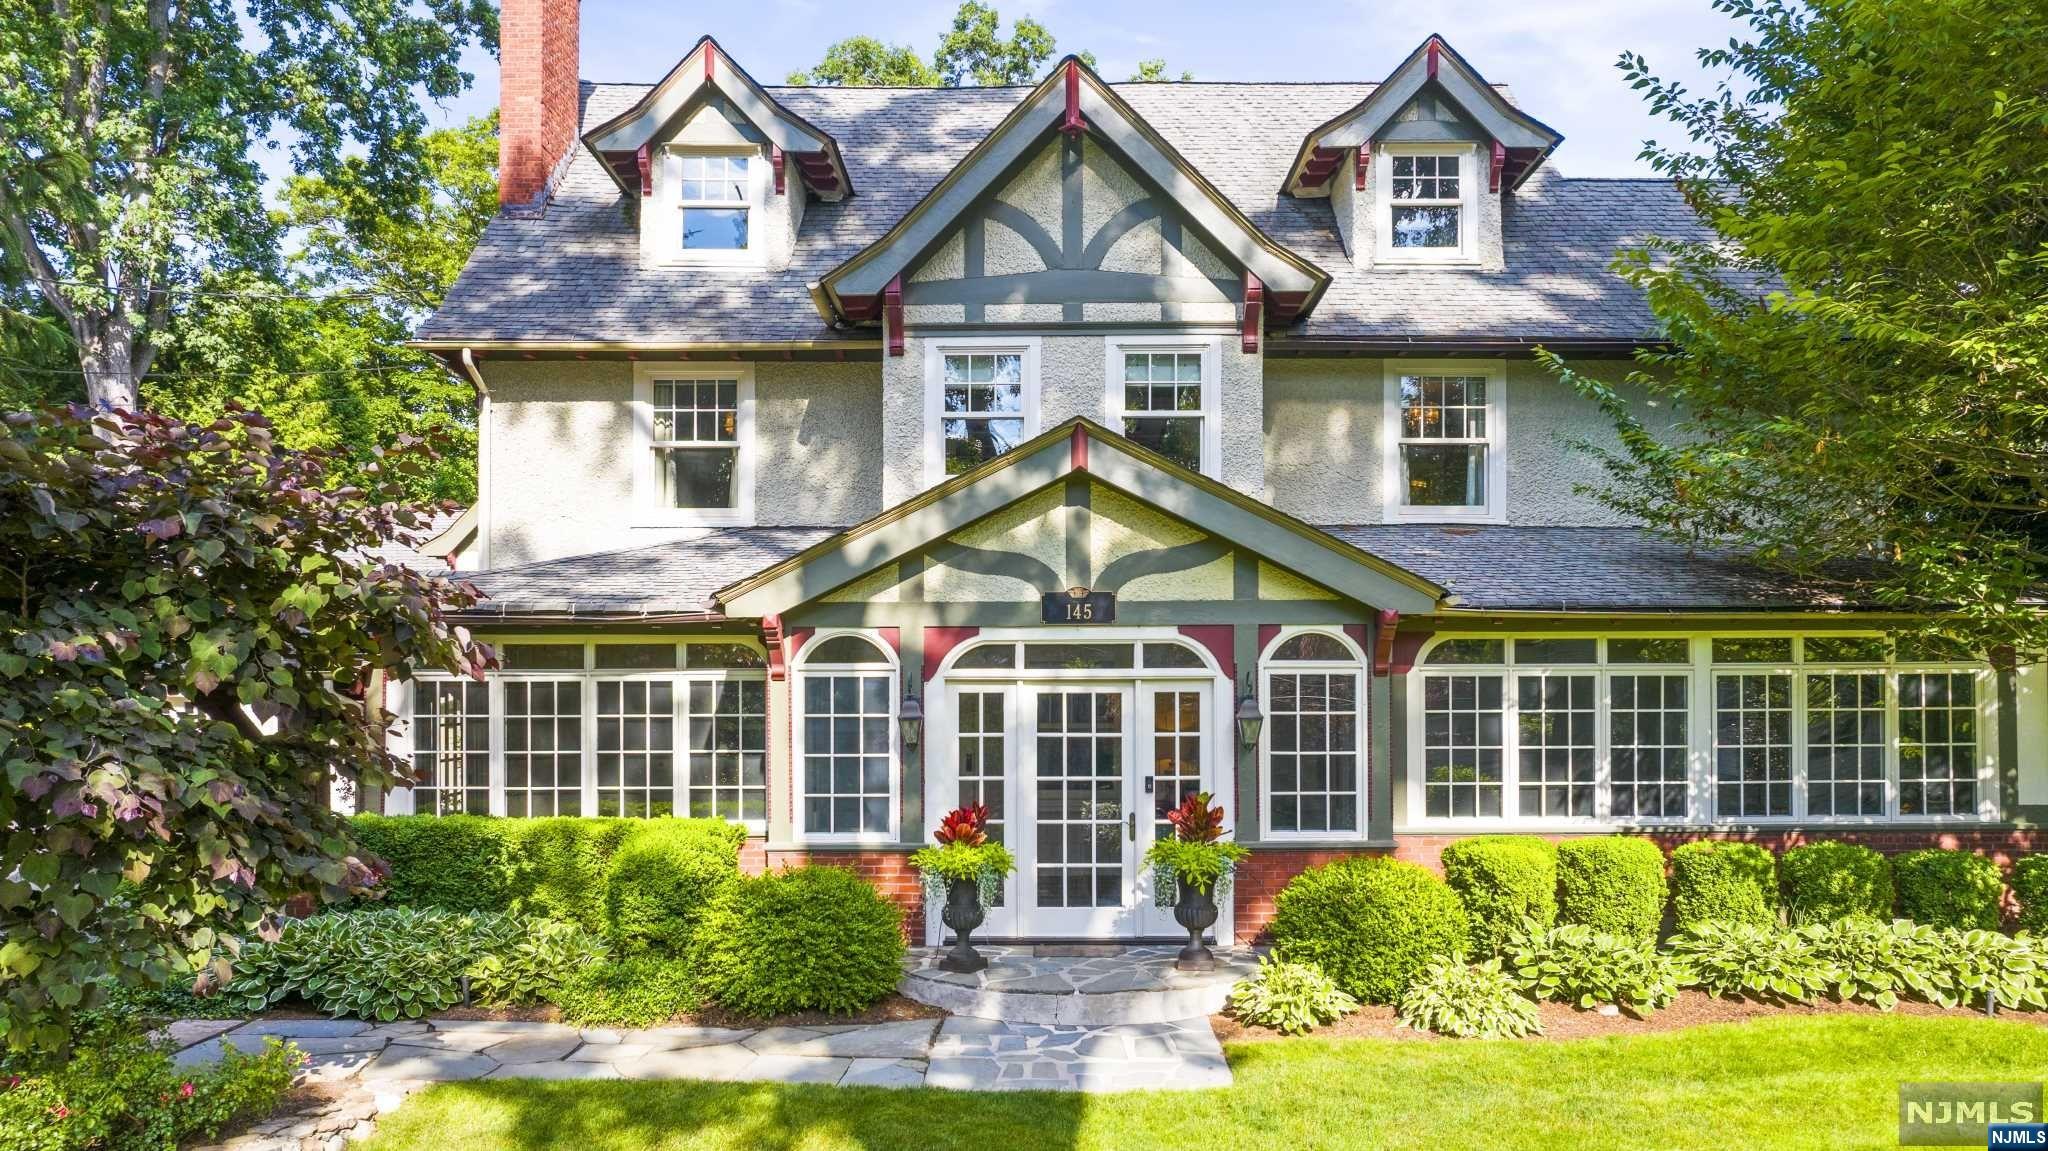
{"x": 106, "y": 353}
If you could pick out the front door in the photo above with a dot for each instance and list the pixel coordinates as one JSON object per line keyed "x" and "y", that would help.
{"x": 1173, "y": 736}
{"x": 1078, "y": 862}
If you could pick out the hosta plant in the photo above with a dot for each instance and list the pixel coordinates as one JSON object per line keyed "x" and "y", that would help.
{"x": 1752, "y": 961}
{"x": 1452, "y": 997}
{"x": 964, "y": 851}
{"x": 1197, "y": 854}
{"x": 533, "y": 968}
{"x": 1880, "y": 963}
{"x": 1575, "y": 964}
{"x": 382, "y": 963}
{"x": 1292, "y": 998}
{"x": 1977, "y": 964}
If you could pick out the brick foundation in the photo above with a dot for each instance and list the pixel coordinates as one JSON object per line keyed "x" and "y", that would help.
{"x": 889, "y": 871}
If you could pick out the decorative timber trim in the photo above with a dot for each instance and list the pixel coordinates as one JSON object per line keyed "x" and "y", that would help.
{"x": 1383, "y": 651}
{"x": 1254, "y": 304}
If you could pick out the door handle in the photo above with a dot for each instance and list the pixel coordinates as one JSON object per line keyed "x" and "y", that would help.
{"x": 1131, "y": 826}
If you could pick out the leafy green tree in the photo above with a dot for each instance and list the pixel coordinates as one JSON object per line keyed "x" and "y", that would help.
{"x": 128, "y": 176}
{"x": 865, "y": 62}
{"x": 1859, "y": 360}
{"x": 192, "y": 649}
{"x": 1153, "y": 71}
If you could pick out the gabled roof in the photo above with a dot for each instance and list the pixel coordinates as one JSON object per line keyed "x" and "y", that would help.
{"x": 1435, "y": 67}
{"x": 1084, "y": 447}
{"x": 623, "y": 142}
{"x": 1071, "y": 99}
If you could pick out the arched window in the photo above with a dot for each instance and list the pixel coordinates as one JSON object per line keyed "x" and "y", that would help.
{"x": 846, "y": 695}
{"x": 1313, "y": 745}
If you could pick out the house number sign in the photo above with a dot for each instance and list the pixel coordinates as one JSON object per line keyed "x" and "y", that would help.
{"x": 1079, "y": 605}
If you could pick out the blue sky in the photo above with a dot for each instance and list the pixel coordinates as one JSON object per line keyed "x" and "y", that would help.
{"x": 1558, "y": 55}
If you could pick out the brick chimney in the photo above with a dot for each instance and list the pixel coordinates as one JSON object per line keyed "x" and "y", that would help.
{"x": 537, "y": 96}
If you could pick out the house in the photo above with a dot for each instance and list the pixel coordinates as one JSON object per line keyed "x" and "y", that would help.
{"x": 849, "y": 455}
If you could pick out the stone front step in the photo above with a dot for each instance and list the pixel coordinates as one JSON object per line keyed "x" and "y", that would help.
{"x": 1024, "y": 984}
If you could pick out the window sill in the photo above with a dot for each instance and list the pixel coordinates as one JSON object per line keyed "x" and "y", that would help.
{"x": 843, "y": 843}
{"x": 1383, "y": 260}
{"x": 1482, "y": 516}
{"x": 703, "y": 520}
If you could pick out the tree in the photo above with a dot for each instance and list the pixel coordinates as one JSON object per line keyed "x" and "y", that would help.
{"x": 1859, "y": 362}
{"x": 194, "y": 645}
{"x": 128, "y": 175}
{"x": 1153, "y": 71}
{"x": 865, "y": 62}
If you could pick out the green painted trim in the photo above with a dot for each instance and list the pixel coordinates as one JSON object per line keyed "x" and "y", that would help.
{"x": 1482, "y": 621}
{"x": 1148, "y": 613}
{"x": 1396, "y": 772}
{"x": 1381, "y": 720}
{"x": 1161, "y": 561}
{"x": 1072, "y": 287}
{"x": 1244, "y": 652}
{"x": 910, "y": 801}
{"x": 981, "y": 561}
{"x": 2008, "y": 741}
{"x": 1080, "y": 513}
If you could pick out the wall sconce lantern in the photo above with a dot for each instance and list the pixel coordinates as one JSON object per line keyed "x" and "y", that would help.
{"x": 1249, "y": 719}
{"x": 910, "y": 722}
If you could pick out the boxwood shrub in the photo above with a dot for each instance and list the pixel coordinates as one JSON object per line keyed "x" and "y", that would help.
{"x": 1504, "y": 881}
{"x": 1611, "y": 883}
{"x": 1370, "y": 923}
{"x": 634, "y": 991}
{"x": 2030, "y": 885}
{"x": 1948, "y": 888}
{"x": 1830, "y": 880}
{"x": 662, "y": 879}
{"x": 1717, "y": 881}
{"x": 453, "y": 862}
{"x": 811, "y": 938}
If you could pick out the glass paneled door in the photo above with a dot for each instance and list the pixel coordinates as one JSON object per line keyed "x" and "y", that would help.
{"x": 1077, "y": 868}
{"x": 1174, "y": 736}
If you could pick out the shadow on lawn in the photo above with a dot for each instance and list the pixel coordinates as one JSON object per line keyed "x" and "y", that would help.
{"x": 601, "y": 1116}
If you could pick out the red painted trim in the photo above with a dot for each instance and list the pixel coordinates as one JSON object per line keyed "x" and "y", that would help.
{"x": 1500, "y": 160}
{"x": 892, "y": 315}
{"x": 1407, "y": 645}
{"x": 1072, "y": 124}
{"x": 776, "y": 161}
{"x": 893, "y": 636}
{"x": 1383, "y": 652}
{"x": 939, "y": 643}
{"x": 1266, "y": 633}
{"x": 711, "y": 62}
{"x": 771, "y": 638}
{"x": 795, "y": 639}
{"x": 1254, "y": 305}
{"x": 1435, "y": 49}
{"x": 1077, "y": 449}
{"x": 1364, "y": 163}
{"x": 1221, "y": 640}
{"x": 645, "y": 161}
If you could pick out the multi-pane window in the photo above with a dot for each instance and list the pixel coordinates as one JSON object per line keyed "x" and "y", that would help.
{"x": 714, "y": 193}
{"x": 1443, "y": 441}
{"x": 848, "y": 738}
{"x": 728, "y": 772}
{"x": 1937, "y": 743}
{"x": 1647, "y": 736}
{"x": 451, "y": 742}
{"x": 1845, "y": 744}
{"x": 636, "y": 746}
{"x": 1428, "y": 202}
{"x": 1313, "y": 741}
{"x": 1555, "y": 743}
{"x": 981, "y": 407}
{"x": 1461, "y": 745}
{"x": 981, "y": 730}
{"x": 1164, "y": 404}
{"x": 697, "y": 442}
{"x": 1753, "y": 744}
{"x": 543, "y": 747}
{"x": 1078, "y": 787}
{"x": 1176, "y": 754}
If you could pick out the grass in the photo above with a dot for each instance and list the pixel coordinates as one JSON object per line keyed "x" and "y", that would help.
{"x": 1821, "y": 1082}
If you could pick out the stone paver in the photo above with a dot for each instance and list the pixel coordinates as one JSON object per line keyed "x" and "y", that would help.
{"x": 1024, "y": 984}
{"x": 988, "y": 1055}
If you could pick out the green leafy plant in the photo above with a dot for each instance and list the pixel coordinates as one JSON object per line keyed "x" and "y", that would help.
{"x": 1504, "y": 881}
{"x": 1369, "y": 922}
{"x": 1292, "y": 998}
{"x": 1613, "y": 884}
{"x": 1948, "y": 888}
{"x": 1880, "y": 963}
{"x": 2030, "y": 887}
{"x": 1572, "y": 963}
{"x": 1832, "y": 880}
{"x": 1977, "y": 964}
{"x": 1452, "y": 997}
{"x": 1753, "y": 961}
{"x": 811, "y": 938}
{"x": 1723, "y": 881}
{"x": 663, "y": 877}
{"x": 634, "y": 991}
{"x": 532, "y": 968}
{"x": 964, "y": 852}
{"x": 1197, "y": 855}
{"x": 381, "y": 963}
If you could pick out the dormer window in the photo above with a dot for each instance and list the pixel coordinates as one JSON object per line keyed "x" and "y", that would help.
{"x": 715, "y": 195}
{"x": 1428, "y": 203}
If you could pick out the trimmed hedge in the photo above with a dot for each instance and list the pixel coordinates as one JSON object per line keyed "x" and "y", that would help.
{"x": 1503, "y": 881}
{"x": 1717, "y": 881}
{"x": 663, "y": 878}
{"x": 1948, "y": 889}
{"x": 453, "y": 862}
{"x": 1831, "y": 880}
{"x": 1370, "y": 923}
{"x": 1611, "y": 883}
{"x": 811, "y": 938}
{"x": 2030, "y": 884}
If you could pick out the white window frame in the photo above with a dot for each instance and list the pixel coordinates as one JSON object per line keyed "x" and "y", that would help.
{"x": 1359, "y": 666}
{"x": 1703, "y": 673}
{"x": 646, "y": 477}
{"x": 805, "y": 668}
{"x": 1211, "y": 413}
{"x": 670, "y": 196}
{"x": 1467, "y": 203}
{"x": 1397, "y": 509}
{"x": 935, "y": 352}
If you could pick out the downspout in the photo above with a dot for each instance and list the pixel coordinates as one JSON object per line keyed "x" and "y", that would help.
{"x": 483, "y": 461}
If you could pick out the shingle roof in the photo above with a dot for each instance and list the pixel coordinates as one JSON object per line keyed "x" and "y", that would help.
{"x": 1492, "y": 568}
{"x": 573, "y": 273}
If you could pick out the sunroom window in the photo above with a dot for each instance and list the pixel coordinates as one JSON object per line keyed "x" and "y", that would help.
{"x": 1313, "y": 737}
{"x": 847, "y": 769}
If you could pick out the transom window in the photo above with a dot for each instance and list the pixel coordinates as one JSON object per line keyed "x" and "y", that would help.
{"x": 982, "y": 402}
{"x": 699, "y": 433}
{"x": 847, "y": 762}
{"x": 1447, "y": 459}
{"x": 1057, "y": 656}
{"x": 1313, "y": 737}
{"x": 1164, "y": 399}
{"x": 715, "y": 195}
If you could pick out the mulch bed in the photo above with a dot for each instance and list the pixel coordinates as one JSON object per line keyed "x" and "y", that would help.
{"x": 1562, "y": 1021}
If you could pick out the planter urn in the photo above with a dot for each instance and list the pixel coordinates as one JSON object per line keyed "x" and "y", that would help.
{"x": 963, "y": 914}
{"x": 1196, "y": 911}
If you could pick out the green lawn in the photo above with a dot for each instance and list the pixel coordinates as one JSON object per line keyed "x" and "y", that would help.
{"x": 1821, "y": 1082}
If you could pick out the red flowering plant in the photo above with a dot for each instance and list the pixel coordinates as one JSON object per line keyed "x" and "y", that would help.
{"x": 964, "y": 851}
{"x": 1196, "y": 854}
